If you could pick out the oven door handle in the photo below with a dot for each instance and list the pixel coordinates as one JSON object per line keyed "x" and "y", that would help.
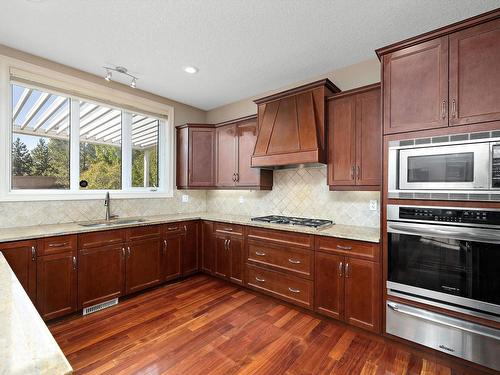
{"x": 473, "y": 234}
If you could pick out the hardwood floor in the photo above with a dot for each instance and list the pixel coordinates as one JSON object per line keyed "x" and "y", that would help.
{"x": 206, "y": 326}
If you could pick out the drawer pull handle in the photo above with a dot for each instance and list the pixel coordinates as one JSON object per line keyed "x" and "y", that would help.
{"x": 340, "y": 247}
{"x": 228, "y": 229}
{"x": 294, "y": 290}
{"x": 260, "y": 253}
{"x": 341, "y": 267}
{"x": 58, "y": 244}
{"x": 74, "y": 263}
{"x": 33, "y": 253}
{"x": 173, "y": 228}
{"x": 294, "y": 261}
{"x": 260, "y": 280}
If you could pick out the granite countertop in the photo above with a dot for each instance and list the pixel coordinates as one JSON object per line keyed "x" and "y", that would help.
{"x": 26, "y": 344}
{"x": 338, "y": 230}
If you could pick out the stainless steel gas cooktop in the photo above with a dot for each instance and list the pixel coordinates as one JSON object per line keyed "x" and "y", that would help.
{"x": 306, "y": 222}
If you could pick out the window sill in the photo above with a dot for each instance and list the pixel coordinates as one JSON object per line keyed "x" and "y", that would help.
{"x": 24, "y": 196}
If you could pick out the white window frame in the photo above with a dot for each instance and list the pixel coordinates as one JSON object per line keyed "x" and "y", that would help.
{"x": 165, "y": 152}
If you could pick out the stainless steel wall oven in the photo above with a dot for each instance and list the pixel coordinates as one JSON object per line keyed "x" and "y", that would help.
{"x": 449, "y": 258}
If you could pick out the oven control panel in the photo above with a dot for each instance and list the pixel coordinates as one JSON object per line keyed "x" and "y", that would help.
{"x": 450, "y": 215}
{"x": 495, "y": 166}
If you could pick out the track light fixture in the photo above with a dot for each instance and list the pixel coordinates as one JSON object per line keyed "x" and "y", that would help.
{"x": 121, "y": 70}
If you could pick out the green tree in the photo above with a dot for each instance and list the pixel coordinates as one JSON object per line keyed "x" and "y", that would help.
{"x": 104, "y": 172}
{"x": 58, "y": 150}
{"x": 21, "y": 159}
{"x": 41, "y": 164}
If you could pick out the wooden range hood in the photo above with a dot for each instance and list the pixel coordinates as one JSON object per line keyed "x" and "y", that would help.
{"x": 291, "y": 126}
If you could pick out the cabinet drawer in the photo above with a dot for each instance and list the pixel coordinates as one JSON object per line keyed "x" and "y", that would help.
{"x": 144, "y": 232}
{"x": 229, "y": 228}
{"x": 290, "y": 288}
{"x": 365, "y": 250}
{"x": 281, "y": 237}
{"x": 290, "y": 260}
{"x": 57, "y": 245}
{"x": 171, "y": 228}
{"x": 102, "y": 238}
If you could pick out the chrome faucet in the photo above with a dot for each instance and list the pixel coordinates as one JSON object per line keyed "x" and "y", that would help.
{"x": 107, "y": 202}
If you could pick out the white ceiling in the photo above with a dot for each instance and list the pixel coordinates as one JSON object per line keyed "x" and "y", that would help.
{"x": 242, "y": 47}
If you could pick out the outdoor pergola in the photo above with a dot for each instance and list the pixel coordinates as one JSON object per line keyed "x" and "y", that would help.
{"x": 43, "y": 114}
{"x": 48, "y": 115}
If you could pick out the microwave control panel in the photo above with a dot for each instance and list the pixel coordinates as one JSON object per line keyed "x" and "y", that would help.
{"x": 495, "y": 166}
{"x": 450, "y": 215}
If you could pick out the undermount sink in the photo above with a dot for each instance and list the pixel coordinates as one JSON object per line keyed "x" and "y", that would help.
{"x": 110, "y": 223}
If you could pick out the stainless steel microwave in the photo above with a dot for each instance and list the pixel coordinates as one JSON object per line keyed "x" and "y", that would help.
{"x": 449, "y": 170}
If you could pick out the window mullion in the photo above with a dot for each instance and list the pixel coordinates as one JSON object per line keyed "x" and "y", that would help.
{"x": 74, "y": 153}
{"x": 126, "y": 150}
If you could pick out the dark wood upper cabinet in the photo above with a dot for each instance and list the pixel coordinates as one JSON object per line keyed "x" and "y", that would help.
{"x": 475, "y": 74}
{"x": 235, "y": 143}
{"x": 227, "y": 148}
{"x": 415, "y": 86}
{"x": 21, "y": 257}
{"x": 354, "y": 139}
{"x": 446, "y": 77}
{"x": 291, "y": 126}
{"x": 195, "y": 156}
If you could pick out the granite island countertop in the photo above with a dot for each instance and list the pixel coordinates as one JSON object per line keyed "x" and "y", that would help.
{"x": 26, "y": 344}
{"x": 351, "y": 232}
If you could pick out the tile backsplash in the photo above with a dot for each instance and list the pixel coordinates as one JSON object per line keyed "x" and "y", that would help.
{"x": 299, "y": 192}
{"x": 14, "y": 214}
{"x": 296, "y": 192}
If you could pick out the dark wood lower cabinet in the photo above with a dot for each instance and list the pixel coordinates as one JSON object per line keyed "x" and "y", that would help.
{"x": 57, "y": 285}
{"x": 348, "y": 289}
{"x": 21, "y": 256}
{"x": 190, "y": 248}
{"x": 229, "y": 257}
{"x": 207, "y": 247}
{"x": 221, "y": 257}
{"x": 362, "y": 294}
{"x": 171, "y": 258}
{"x": 101, "y": 274}
{"x": 329, "y": 285}
{"x": 143, "y": 264}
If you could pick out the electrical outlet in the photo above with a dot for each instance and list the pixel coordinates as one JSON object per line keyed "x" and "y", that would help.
{"x": 185, "y": 198}
{"x": 241, "y": 200}
{"x": 373, "y": 205}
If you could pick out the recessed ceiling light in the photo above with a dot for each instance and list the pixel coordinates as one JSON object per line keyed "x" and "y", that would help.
{"x": 191, "y": 69}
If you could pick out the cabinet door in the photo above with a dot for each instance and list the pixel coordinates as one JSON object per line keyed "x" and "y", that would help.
{"x": 57, "y": 285}
{"x": 247, "y": 136}
{"x": 222, "y": 256}
{"x": 226, "y": 145}
{"x": 368, "y": 138}
{"x": 143, "y": 264}
{"x": 190, "y": 249}
{"x": 208, "y": 251}
{"x": 475, "y": 74}
{"x": 21, "y": 257}
{"x": 101, "y": 272}
{"x": 236, "y": 260}
{"x": 171, "y": 259}
{"x": 362, "y": 294}
{"x": 329, "y": 284}
{"x": 201, "y": 157}
{"x": 342, "y": 141}
{"x": 415, "y": 81}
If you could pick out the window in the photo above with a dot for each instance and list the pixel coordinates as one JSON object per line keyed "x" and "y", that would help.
{"x": 40, "y": 140}
{"x": 65, "y": 145}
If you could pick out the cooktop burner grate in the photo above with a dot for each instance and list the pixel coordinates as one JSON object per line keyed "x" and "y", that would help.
{"x": 291, "y": 220}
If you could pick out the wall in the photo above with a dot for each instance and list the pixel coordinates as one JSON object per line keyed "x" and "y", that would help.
{"x": 346, "y": 78}
{"x": 301, "y": 192}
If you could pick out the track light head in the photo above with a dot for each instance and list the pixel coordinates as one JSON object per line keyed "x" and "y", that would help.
{"x": 133, "y": 84}
{"x": 108, "y": 75}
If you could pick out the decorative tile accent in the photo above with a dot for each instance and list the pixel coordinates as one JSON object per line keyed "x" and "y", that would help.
{"x": 299, "y": 192}
{"x": 13, "y": 214}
